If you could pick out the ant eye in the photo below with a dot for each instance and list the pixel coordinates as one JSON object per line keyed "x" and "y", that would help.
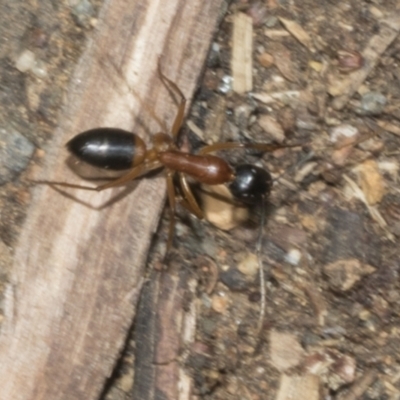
{"x": 251, "y": 183}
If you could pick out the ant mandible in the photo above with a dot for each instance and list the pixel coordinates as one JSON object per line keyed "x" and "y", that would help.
{"x": 116, "y": 149}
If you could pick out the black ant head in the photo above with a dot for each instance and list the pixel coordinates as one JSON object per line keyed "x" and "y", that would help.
{"x": 251, "y": 184}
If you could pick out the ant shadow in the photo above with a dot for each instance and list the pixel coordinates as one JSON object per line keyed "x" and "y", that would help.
{"x": 106, "y": 63}
{"x": 119, "y": 196}
{"x": 97, "y": 175}
{"x": 93, "y": 174}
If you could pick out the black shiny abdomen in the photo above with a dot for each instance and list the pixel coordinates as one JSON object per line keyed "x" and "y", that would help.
{"x": 108, "y": 148}
{"x": 251, "y": 184}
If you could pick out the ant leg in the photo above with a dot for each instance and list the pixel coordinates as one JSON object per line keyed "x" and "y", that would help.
{"x": 171, "y": 203}
{"x": 134, "y": 173}
{"x": 65, "y": 184}
{"x": 189, "y": 201}
{"x": 176, "y": 126}
{"x": 178, "y": 119}
{"x": 266, "y": 147}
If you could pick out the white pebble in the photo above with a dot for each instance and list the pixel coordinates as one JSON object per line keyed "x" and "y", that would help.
{"x": 25, "y": 61}
{"x": 293, "y": 256}
{"x": 342, "y": 131}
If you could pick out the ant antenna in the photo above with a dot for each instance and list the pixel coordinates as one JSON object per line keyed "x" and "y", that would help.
{"x": 261, "y": 267}
{"x": 263, "y": 291}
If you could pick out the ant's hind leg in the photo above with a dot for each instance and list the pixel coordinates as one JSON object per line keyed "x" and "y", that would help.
{"x": 64, "y": 184}
{"x": 133, "y": 174}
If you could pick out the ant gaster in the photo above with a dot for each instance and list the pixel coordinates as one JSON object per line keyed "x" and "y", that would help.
{"x": 117, "y": 149}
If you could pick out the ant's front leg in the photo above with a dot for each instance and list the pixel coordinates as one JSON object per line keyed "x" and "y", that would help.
{"x": 176, "y": 126}
{"x": 264, "y": 147}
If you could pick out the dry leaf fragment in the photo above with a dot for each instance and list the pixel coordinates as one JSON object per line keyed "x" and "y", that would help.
{"x": 374, "y": 212}
{"x": 285, "y": 350}
{"x": 343, "y": 89}
{"x": 219, "y": 210}
{"x": 392, "y": 128}
{"x": 340, "y": 156}
{"x": 298, "y": 32}
{"x": 345, "y": 273}
{"x": 361, "y": 385}
{"x": 305, "y": 387}
{"x": 283, "y": 62}
{"x": 276, "y": 33}
{"x": 271, "y": 126}
{"x": 287, "y": 119}
{"x": 334, "y": 368}
{"x": 290, "y": 96}
{"x": 371, "y": 181}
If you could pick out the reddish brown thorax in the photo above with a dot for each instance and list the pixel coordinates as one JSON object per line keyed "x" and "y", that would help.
{"x": 207, "y": 169}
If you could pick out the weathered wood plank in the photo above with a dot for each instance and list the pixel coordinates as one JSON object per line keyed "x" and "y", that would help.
{"x": 77, "y": 271}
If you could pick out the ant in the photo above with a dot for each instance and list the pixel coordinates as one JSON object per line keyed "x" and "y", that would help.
{"x": 119, "y": 150}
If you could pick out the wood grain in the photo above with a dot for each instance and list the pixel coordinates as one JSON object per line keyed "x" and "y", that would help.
{"x": 77, "y": 271}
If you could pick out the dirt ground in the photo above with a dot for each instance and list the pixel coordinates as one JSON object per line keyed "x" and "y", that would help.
{"x": 325, "y": 76}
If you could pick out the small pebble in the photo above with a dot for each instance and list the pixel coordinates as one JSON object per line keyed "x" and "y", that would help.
{"x": 214, "y": 58}
{"x": 234, "y": 279}
{"x": 83, "y": 10}
{"x": 219, "y": 303}
{"x": 372, "y": 103}
{"x": 249, "y": 265}
{"x": 226, "y": 84}
{"x": 271, "y": 21}
{"x": 316, "y": 66}
{"x": 125, "y": 382}
{"x": 39, "y": 69}
{"x": 266, "y": 60}
{"x": 349, "y": 61}
{"x": 293, "y": 257}
{"x": 242, "y": 115}
{"x": 26, "y": 61}
{"x": 306, "y": 123}
{"x": 338, "y": 133}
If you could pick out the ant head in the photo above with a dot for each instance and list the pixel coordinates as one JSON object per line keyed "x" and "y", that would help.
{"x": 251, "y": 184}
